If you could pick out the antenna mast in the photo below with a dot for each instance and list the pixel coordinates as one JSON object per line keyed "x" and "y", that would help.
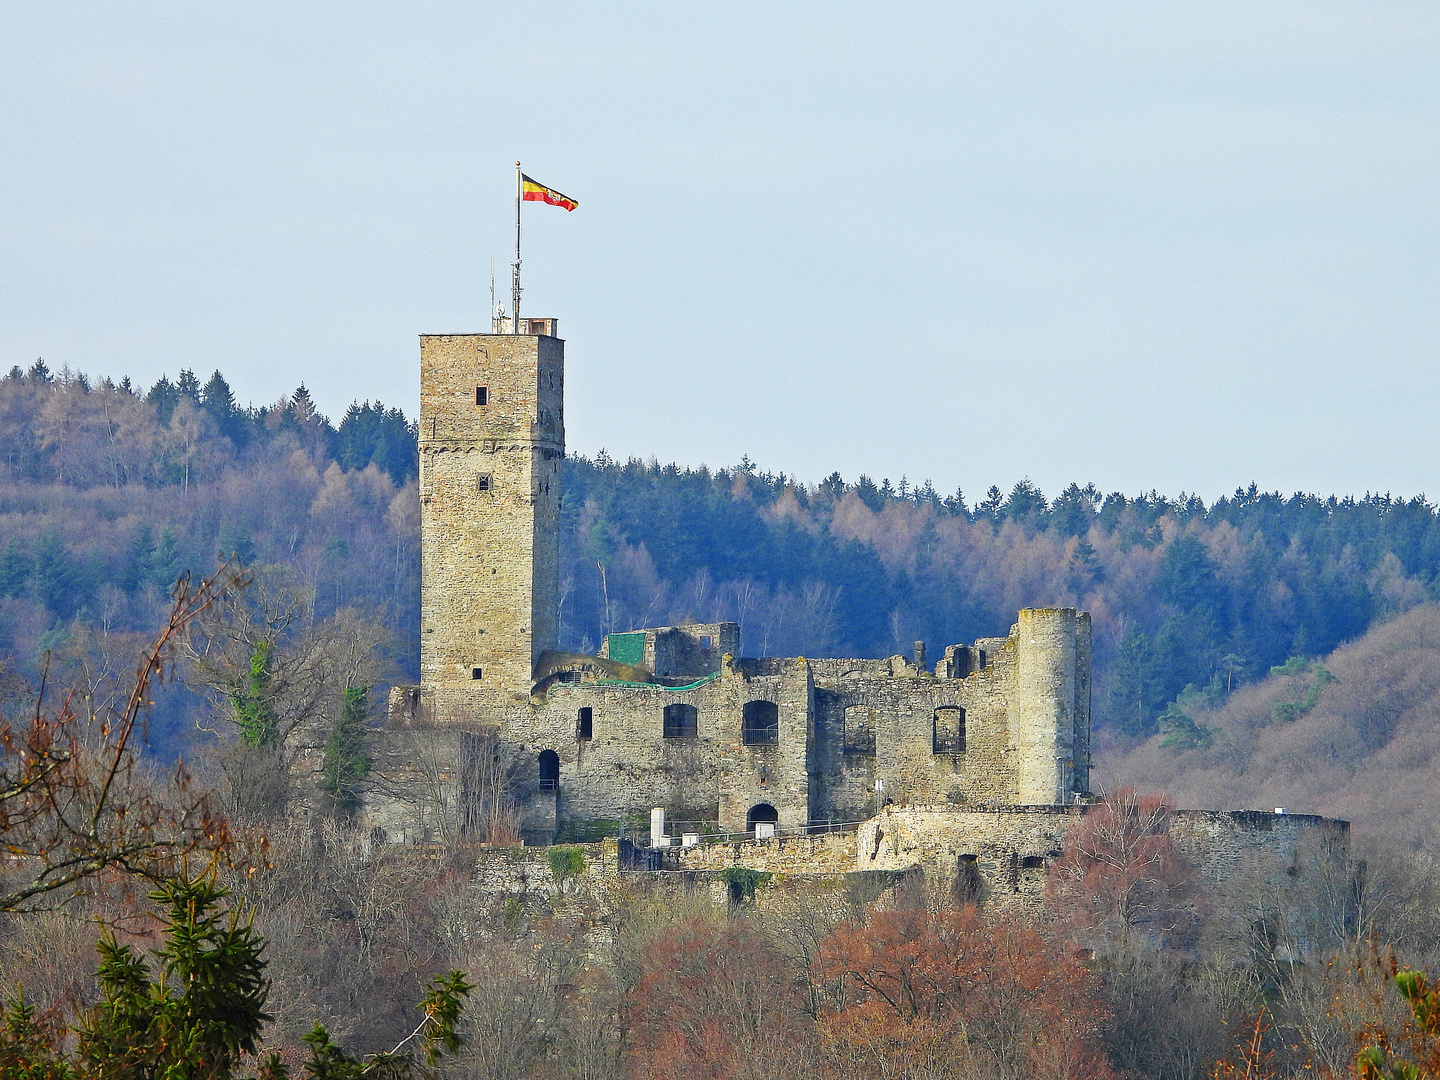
{"x": 493, "y": 312}
{"x": 515, "y": 284}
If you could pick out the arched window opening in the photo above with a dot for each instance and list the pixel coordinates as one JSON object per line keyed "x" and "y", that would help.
{"x": 760, "y": 723}
{"x": 584, "y": 723}
{"x": 761, "y": 814}
{"x": 949, "y": 730}
{"x": 549, "y": 769}
{"x": 681, "y": 721}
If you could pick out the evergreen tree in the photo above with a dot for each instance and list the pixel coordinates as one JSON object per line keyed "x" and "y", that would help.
{"x": 54, "y": 574}
{"x": 1026, "y": 503}
{"x": 15, "y": 569}
{"x": 1085, "y": 568}
{"x": 164, "y": 396}
{"x": 869, "y": 494}
{"x": 346, "y": 763}
{"x": 371, "y": 433}
{"x": 217, "y": 399}
{"x": 199, "y": 1009}
{"x": 164, "y": 564}
{"x": 200, "y": 1013}
{"x": 136, "y": 570}
{"x": 1136, "y": 695}
{"x": 39, "y": 371}
{"x": 235, "y": 542}
{"x": 993, "y": 507}
{"x": 189, "y": 386}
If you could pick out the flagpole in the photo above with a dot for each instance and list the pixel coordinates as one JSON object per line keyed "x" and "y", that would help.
{"x": 515, "y": 326}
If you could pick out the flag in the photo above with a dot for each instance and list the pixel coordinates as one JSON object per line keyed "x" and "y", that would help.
{"x": 534, "y": 192}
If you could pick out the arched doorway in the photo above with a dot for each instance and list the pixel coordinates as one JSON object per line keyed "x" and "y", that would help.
{"x": 761, "y": 814}
{"x": 549, "y": 769}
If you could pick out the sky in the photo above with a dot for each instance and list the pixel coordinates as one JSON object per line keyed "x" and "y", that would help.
{"x": 1182, "y": 247}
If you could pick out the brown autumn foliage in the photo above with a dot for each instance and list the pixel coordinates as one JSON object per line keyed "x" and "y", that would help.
{"x": 958, "y": 993}
{"x": 1120, "y": 878}
{"x": 715, "y": 1000}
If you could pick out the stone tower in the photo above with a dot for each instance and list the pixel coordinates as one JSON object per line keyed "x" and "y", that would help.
{"x": 492, "y": 438}
{"x": 1050, "y": 705}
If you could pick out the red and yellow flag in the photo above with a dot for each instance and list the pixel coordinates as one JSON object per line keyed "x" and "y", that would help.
{"x": 534, "y": 192}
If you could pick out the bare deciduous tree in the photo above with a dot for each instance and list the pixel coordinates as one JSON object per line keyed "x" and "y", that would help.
{"x": 76, "y": 805}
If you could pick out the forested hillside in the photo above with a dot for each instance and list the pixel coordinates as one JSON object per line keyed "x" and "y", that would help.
{"x": 1355, "y": 735}
{"x": 108, "y": 491}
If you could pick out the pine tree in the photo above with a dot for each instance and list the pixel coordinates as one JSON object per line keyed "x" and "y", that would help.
{"x": 55, "y": 574}
{"x": 217, "y": 399}
{"x": 164, "y": 396}
{"x": 189, "y": 386}
{"x": 14, "y": 569}
{"x": 200, "y": 1013}
{"x": 346, "y": 763}
{"x": 199, "y": 1009}
{"x": 136, "y": 571}
{"x": 164, "y": 564}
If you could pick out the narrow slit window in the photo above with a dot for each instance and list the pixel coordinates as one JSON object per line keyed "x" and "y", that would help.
{"x": 482, "y": 395}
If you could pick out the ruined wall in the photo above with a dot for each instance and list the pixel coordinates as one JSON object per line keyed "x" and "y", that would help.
{"x": 628, "y": 765}
{"x": 1298, "y": 864}
{"x": 489, "y": 510}
{"x": 691, "y": 651}
{"x": 775, "y": 774}
{"x": 821, "y": 853}
{"x": 882, "y": 728}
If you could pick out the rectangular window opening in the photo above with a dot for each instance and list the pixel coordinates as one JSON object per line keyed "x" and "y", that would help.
{"x": 584, "y": 723}
{"x": 706, "y": 641}
{"x": 476, "y": 672}
{"x": 949, "y": 730}
{"x": 482, "y": 482}
{"x": 482, "y": 395}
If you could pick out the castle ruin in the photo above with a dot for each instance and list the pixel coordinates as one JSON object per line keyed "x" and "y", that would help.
{"x": 672, "y": 721}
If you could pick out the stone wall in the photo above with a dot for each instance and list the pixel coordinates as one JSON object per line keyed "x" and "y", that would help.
{"x": 817, "y": 853}
{"x": 1005, "y": 851}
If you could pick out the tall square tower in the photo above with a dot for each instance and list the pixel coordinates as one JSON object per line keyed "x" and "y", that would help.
{"x": 492, "y": 438}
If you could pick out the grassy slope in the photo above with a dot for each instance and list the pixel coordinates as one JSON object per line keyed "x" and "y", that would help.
{"x": 1367, "y": 752}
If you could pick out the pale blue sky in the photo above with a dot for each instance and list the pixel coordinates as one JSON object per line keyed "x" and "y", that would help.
{"x": 1149, "y": 245}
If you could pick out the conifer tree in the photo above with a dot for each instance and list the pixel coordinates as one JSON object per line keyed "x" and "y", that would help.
{"x": 346, "y": 763}
{"x": 164, "y": 396}
{"x": 54, "y": 573}
{"x": 14, "y": 569}
{"x": 188, "y": 385}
